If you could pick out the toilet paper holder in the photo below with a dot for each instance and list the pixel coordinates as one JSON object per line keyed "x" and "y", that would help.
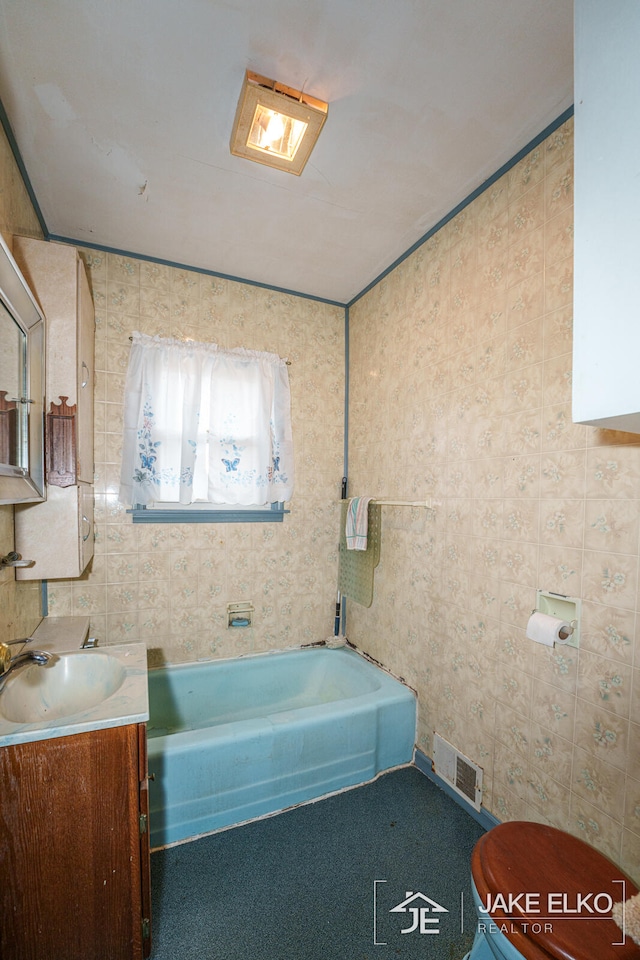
{"x": 561, "y": 606}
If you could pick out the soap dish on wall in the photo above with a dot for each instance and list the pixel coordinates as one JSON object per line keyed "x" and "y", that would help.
{"x": 563, "y": 607}
{"x": 240, "y": 614}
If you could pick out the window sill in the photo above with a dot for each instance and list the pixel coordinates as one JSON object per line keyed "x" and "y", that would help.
{"x": 222, "y": 515}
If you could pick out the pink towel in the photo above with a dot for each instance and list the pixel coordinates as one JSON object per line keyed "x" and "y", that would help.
{"x": 357, "y": 523}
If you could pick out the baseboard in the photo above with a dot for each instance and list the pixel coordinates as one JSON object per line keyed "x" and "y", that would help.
{"x": 483, "y": 817}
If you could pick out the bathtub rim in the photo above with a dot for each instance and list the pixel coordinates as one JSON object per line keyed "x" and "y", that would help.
{"x": 254, "y": 655}
{"x": 352, "y": 652}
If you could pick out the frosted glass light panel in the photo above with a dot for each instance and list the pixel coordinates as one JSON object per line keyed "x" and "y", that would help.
{"x": 276, "y": 133}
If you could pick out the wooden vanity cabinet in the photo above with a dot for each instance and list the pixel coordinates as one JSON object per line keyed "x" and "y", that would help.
{"x": 74, "y": 847}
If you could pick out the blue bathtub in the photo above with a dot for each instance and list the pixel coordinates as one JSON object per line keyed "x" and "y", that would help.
{"x": 231, "y": 740}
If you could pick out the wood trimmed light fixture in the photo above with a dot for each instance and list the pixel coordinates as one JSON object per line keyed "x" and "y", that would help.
{"x": 276, "y": 125}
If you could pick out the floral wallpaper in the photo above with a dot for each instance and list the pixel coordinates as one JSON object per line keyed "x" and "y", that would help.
{"x": 460, "y": 391}
{"x": 169, "y": 584}
{"x": 20, "y": 603}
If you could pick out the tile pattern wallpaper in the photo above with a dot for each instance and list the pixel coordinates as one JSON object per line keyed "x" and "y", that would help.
{"x": 20, "y": 603}
{"x": 169, "y": 584}
{"x": 460, "y": 391}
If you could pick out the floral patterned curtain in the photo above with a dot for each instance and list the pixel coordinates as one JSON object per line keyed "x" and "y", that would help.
{"x": 201, "y": 423}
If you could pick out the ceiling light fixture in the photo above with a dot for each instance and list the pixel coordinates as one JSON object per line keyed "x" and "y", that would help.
{"x": 276, "y": 125}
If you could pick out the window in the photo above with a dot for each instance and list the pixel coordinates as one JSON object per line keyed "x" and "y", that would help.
{"x": 206, "y": 429}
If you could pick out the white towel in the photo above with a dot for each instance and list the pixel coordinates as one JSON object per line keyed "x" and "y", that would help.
{"x": 357, "y": 523}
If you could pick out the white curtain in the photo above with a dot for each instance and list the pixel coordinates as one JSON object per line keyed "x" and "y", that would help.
{"x": 201, "y": 423}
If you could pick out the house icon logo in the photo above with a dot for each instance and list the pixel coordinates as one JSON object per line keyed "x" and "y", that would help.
{"x": 420, "y": 906}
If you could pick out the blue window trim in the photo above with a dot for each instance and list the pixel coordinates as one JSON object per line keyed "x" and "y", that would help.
{"x": 140, "y": 514}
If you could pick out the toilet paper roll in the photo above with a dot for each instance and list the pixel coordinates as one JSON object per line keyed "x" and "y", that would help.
{"x": 546, "y": 629}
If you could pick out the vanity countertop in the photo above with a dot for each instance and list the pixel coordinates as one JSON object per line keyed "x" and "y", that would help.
{"x": 129, "y": 703}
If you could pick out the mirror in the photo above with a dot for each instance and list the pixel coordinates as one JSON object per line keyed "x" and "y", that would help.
{"x": 21, "y": 387}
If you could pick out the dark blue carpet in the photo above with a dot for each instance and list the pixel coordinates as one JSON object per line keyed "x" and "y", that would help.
{"x": 320, "y": 882}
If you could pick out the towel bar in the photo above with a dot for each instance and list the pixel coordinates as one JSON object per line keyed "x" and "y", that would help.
{"x": 429, "y": 504}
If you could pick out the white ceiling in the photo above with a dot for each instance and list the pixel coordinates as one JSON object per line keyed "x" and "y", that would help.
{"x": 122, "y": 112}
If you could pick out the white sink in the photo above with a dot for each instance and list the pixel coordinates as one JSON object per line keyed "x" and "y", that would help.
{"x": 68, "y": 685}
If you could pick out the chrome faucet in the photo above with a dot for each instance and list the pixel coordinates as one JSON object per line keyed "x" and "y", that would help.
{"x": 9, "y": 663}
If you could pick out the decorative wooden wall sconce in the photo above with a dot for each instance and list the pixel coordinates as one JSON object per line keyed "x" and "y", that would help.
{"x": 60, "y": 429}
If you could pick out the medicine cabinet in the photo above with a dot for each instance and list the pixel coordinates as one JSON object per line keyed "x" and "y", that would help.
{"x": 21, "y": 387}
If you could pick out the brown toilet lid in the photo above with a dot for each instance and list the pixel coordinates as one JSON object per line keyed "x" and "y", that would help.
{"x": 558, "y": 920}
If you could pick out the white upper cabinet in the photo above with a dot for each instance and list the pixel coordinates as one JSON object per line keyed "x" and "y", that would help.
{"x": 58, "y": 534}
{"x": 606, "y": 351}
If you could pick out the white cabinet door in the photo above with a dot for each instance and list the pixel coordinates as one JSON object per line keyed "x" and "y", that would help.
{"x": 86, "y": 538}
{"x": 58, "y": 536}
{"x": 606, "y": 336}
